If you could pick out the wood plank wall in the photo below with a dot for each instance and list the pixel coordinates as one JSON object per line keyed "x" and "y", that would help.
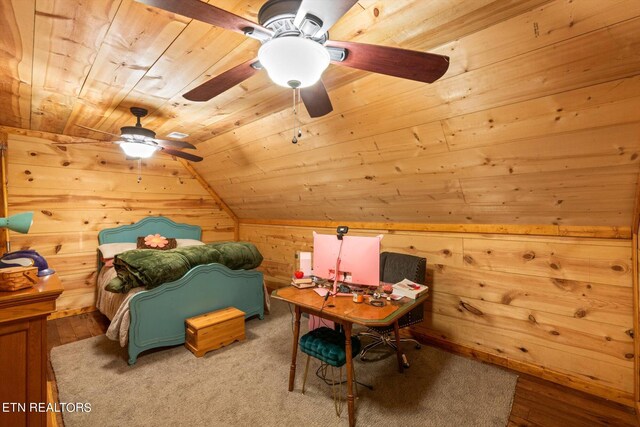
{"x": 557, "y": 307}
{"x": 77, "y": 190}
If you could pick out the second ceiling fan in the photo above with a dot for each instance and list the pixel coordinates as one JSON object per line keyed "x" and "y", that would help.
{"x": 296, "y": 49}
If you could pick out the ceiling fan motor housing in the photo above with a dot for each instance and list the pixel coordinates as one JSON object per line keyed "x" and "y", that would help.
{"x": 137, "y": 133}
{"x": 279, "y": 15}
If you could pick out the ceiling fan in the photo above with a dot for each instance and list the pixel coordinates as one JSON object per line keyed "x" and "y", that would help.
{"x": 138, "y": 142}
{"x": 296, "y": 49}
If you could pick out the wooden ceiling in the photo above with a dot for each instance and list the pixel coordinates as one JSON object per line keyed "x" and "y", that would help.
{"x": 537, "y": 120}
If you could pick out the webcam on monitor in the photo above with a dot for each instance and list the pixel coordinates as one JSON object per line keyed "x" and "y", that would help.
{"x": 342, "y": 230}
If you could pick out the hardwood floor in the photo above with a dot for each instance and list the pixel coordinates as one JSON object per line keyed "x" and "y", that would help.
{"x": 542, "y": 403}
{"x": 537, "y": 402}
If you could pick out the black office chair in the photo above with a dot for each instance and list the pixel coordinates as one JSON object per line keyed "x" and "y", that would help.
{"x": 395, "y": 267}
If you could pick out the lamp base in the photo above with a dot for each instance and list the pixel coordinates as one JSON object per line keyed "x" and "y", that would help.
{"x": 26, "y": 258}
{"x": 46, "y": 272}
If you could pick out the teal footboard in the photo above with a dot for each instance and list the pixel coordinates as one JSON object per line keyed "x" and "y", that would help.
{"x": 157, "y": 316}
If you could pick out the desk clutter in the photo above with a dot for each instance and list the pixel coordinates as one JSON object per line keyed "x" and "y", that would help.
{"x": 358, "y": 295}
{"x": 389, "y": 291}
{"x": 301, "y": 281}
{"x": 373, "y": 296}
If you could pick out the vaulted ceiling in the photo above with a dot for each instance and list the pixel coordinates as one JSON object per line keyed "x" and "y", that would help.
{"x": 537, "y": 120}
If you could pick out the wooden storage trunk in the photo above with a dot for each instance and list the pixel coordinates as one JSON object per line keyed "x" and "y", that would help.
{"x": 15, "y": 278}
{"x": 214, "y": 330}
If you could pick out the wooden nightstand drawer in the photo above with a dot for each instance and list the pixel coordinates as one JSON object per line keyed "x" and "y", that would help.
{"x": 214, "y": 330}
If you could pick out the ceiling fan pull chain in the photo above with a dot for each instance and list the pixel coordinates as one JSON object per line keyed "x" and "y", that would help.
{"x": 299, "y": 124}
{"x": 139, "y": 170}
{"x": 294, "y": 140}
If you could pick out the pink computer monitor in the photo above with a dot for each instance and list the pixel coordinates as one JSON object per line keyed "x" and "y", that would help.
{"x": 359, "y": 258}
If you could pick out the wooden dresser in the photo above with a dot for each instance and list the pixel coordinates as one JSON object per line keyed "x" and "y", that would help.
{"x": 23, "y": 350}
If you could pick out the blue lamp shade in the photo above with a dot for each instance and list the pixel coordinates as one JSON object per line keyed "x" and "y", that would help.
{"x": 19, "y": 222}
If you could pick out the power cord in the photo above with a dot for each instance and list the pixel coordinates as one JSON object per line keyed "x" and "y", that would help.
{"x": 324, "y": 303}
{"x": 321, "y": 373}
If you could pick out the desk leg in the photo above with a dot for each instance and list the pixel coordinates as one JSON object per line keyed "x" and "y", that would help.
{"x": 294, "y": 352}
{"x": 348, "y": 350}
{"x": 396, "y": 331}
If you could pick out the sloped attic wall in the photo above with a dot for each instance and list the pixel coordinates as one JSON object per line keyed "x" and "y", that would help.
{"x": 537, "y": 118}
{"x": 524, "y": 128}
{"x": 77, "y": 190}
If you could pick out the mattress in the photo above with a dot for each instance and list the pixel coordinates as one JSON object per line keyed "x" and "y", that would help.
{"x": 115, "y": 306}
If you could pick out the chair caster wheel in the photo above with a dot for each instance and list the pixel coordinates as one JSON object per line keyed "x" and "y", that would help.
{"x": 406, "y": 365}
{"x": 418, "y": 346}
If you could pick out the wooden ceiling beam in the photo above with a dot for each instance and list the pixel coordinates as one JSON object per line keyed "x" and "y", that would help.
{"x": 53, "y": 137}
{"x": 602, "y": 232}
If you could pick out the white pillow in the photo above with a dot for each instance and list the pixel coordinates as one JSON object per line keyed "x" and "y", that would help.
{"x": 109, "y": 250}
{"x": 188, "y": 242}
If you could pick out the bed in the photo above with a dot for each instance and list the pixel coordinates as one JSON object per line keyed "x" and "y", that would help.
{"x": 157, "y": 316}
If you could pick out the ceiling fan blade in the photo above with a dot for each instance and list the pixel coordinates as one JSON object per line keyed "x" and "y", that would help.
{"x": 392, "y": 61}
{"x": 98, "y": 130}
{"x": 174, "y": 144}
{"x": 222, "y": 82}
{"x": 196, "y": 9}
{"x": 329, "y": 11}
{"x": 316, "y": 100}
{"x": 177, "y": 153}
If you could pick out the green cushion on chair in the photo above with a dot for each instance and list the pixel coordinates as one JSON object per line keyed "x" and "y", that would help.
{"x": 328, "y": 345}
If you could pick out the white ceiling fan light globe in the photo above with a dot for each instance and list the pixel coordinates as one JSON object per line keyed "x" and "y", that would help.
{"x": 289, "y": 60}
{"x": 138, "y": 150}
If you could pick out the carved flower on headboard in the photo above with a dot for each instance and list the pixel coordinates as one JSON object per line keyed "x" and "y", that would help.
{"x": 155, "y": 241}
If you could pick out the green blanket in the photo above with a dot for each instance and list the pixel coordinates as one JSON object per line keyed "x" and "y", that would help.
{"x": 151, "y": 268}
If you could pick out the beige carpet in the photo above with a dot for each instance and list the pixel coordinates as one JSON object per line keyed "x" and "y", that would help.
{"x": 245, "y": 384}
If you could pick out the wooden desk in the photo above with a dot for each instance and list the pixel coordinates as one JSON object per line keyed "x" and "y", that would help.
{"x": 23, "y": 349}
{"x": 346, "y": 313}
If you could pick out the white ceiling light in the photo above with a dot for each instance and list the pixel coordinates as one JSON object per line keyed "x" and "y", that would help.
{"x": 138, "y": 149}
{"x": 294, "y": 62}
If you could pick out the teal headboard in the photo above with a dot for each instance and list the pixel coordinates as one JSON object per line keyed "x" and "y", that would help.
{"x": 149, "y": 225}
